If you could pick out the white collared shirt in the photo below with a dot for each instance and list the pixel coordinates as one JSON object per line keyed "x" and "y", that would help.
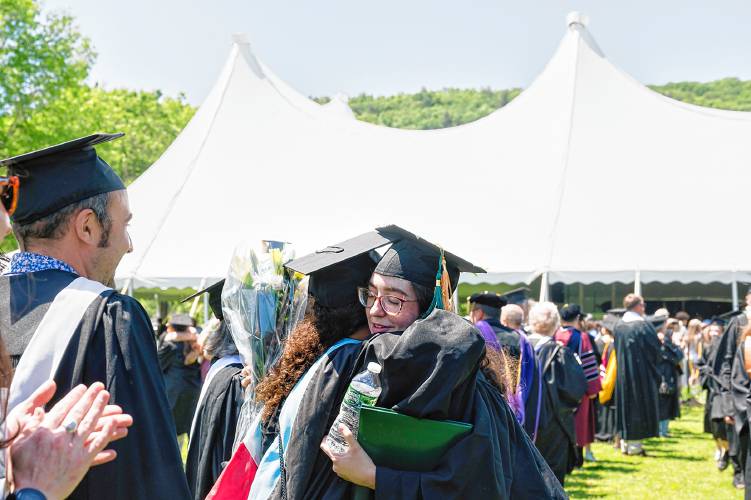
{"x": 631, "y": 316}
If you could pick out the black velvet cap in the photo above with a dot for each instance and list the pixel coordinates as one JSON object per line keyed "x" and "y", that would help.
{"x": 337, "y": 270}
{"x": 215, "y": 298}
{"x": 57, "y": 176}
{"x": 415, "y": 259}
{"x": 488, "y": 299}
{"x": 516, "y": 296}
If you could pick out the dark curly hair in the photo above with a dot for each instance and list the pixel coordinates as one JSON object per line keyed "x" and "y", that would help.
{"x": 320, "y": 329}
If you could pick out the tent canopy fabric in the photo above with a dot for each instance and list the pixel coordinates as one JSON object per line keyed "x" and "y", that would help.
{"x": 590, "y": 177}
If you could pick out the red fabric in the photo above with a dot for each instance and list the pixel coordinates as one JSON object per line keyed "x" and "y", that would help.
{"x": 235, "y": 480}
{"x": 584, "y": 419}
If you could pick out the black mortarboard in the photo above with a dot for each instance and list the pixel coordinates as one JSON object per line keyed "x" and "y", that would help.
{"x": 417, "y": 260}
{"x": 571, "y": 312}
{"x": 617, "y": 311}
{"x": 337, "y": 270}
{"x": 54, "y": 177}
{"x": 215, "y": 298}
{"x": 516, "y": 296}
{"x": 488, "y": 299}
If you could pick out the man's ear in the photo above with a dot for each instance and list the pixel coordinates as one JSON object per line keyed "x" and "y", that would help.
{"x": 86, "y": 227}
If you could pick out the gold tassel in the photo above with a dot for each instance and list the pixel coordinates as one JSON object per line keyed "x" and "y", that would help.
{"x": 446, "y": 287}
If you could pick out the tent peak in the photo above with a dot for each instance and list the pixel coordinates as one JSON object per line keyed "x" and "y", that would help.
{"x": 240, "y": 39}
{"x": 575, "y": 17}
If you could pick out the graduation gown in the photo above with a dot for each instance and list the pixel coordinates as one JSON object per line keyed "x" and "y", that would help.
{"x": 637, "y": 351}
{"x": 722, "y": 364}
{"x": 213, "y": 430}
{"x": 564, "y": 387}
{"x": 669, "y": 369}
{"x": 432, "y": 371}
{"x": 713, "y": 411}
{"x": 581, "y": 343}
{"x": 309, "y": 473}
{"x": 113, "y": 344}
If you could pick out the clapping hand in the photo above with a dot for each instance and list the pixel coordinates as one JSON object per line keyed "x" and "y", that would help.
{"x": 52, "y": 451}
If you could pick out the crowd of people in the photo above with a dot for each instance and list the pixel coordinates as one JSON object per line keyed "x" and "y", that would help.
{"x": 97, "y": 400}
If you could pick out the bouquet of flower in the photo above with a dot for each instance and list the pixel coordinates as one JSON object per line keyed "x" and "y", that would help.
{"x": 261, "y": 302}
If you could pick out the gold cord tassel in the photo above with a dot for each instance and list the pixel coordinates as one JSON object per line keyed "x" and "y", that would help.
{"x": 448, "y": 304}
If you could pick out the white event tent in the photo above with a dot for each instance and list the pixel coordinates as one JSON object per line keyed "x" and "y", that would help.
{"x": 585, "y": 148}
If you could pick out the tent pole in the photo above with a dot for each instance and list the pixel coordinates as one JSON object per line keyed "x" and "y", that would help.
{"x": 194, "y": 306}
{"x": 455, "y": 300}
{"x": 734, "y": 292}
{"x": 205, "y": 307}
{"x": 544, "y": 291}
{"x": 637, "y": 283}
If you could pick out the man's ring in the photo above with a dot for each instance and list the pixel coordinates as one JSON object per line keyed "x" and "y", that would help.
{"x": 70, "y": 426}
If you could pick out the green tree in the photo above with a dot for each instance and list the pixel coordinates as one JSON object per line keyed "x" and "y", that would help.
{"x": 40, "y": 58}
{"x": 150, "y": 121}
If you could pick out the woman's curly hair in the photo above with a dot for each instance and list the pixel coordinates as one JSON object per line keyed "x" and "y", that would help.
{"x": 320, "y": 329}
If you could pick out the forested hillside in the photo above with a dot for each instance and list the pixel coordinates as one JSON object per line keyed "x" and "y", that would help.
{"x": 430, "y": 109}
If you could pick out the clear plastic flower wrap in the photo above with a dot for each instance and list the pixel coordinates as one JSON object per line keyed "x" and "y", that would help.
{"x": 262, "y": 302}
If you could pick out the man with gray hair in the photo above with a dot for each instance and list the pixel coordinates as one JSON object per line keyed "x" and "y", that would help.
{"x": 512, "y": 317}
{"x": 60, "y": 319}
{"x": 563, "y": 386}
{"x": 637, "y": 351}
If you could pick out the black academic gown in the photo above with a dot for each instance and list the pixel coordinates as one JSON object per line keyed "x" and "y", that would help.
{"x": 564, "y": 386}
{"x": 214, "y": 433}
{"x": 637, "y": 351}
{"x": 508, "y": 339}
{"x": 114, "y": 344}
{"x": 309, "y": 472}
{"x": 669, "y": 369}
{"x": 713, "y": 411}
{"x": 432, "y": 371}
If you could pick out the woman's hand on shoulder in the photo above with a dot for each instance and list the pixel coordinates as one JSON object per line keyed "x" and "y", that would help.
{"x": 354, "y": 465}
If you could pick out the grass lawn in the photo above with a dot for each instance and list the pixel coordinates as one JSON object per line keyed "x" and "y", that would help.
{"x": 681, "y": 466}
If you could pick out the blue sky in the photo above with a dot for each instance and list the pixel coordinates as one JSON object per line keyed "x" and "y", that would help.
{"x": 326, "y": 46}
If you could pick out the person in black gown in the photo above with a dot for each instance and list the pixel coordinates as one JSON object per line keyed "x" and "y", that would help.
{"x": 439, "y": 367}
{"x": 637, "y": 351}
{"x": 212, "y": 432}
{"x": 71, "y": 223}
{"x": 722, "y": 367}
{"x": 564, "y": 385}
{"x": 669, "y": 370}
{"x": 178, "y": 358}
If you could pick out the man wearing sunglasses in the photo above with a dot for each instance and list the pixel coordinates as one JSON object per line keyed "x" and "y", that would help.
{"x": 60, "y": 318}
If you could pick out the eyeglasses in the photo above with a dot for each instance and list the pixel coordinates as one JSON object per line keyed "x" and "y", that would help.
{"x": 9, "y": 193}
{"x": 391, "y": 304}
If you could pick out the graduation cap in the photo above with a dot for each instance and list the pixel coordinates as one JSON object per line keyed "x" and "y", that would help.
{"x": 488, "y": 299}
{"x": 57, "y": 176}
{"x": 215, "y": 298}
{"x": 419, "y": 261}
{"x": 516, "y": 296}
{"x": 337, "y": 270}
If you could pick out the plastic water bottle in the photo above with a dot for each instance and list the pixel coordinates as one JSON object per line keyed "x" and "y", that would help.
{"x": 363, "y": 391}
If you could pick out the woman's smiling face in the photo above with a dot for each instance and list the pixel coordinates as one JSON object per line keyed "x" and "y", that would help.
{"x": 378, "y": 320}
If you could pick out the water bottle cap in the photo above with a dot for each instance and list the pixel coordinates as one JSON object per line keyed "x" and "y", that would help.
{"x": 374, "y": 368}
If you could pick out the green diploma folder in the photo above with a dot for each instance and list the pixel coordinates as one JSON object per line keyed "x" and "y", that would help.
{"x": 402, "y": 442}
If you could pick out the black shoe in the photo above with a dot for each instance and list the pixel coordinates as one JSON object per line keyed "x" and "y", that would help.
{"x": 738, "y": 482}
{"x": 722, "y": 463}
